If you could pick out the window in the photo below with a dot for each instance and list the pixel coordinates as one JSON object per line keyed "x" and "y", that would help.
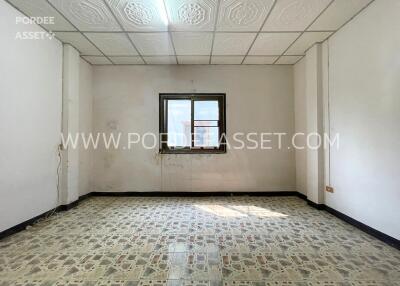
{"x": 192, "y": 123}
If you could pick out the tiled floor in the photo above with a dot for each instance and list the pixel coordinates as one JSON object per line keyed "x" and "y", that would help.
{"x": 230, "y": 241}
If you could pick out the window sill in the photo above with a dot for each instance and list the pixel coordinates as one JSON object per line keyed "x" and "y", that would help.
{"x": 192, "y": 152}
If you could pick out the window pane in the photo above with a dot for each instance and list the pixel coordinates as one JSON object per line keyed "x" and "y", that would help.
{"x": 206, "y": 137}
{"x": 179, "y": 125}
{"x": 206, "y": 110}
{"x": 205, "y": 123}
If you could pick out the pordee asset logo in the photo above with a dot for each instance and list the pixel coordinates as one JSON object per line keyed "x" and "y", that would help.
{"x": 34, "y": 35}
{"x": 38, "y": 35}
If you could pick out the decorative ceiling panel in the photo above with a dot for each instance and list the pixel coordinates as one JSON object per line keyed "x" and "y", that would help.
{"x": 160, "y": 60}
{"x": 226, "y": 60}
{"x": 112, "y": 44}
{"x": 79, "y": 42}
{"x": 260, "y": 60}
{"x": 40, "y": 8}
{"x": 164, "y": 31}
{"x": 189, "y": 43}
{"x": 153, "y": 44}
{"x": 243, "y": 15}
{"x": 294, "y": 15}
{"x": 272, "y": 43}
{"x": 338, "y": 13}
{"x": 97, "y": 60}
{"x": 140, "y": 15}
{"x": 87, "y": 15}
{"x": 232, "y": 43}
{"x": 191, "y": 15}
{"x": 193, "y": 60}
{"x": 127, "y": 60}
{"x": 288, "y": 60}
{"x": 306, "y": 41}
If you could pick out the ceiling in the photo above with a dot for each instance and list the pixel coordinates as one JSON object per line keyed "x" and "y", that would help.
{"x": 193, "y": 31}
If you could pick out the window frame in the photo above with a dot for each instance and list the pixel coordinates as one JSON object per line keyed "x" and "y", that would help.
{"x": 163, "y": 122}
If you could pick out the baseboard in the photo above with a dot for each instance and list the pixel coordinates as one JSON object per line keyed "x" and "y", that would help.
{"x": 315, "y": 205}
{"x": 301, "y": 196}
{"x": 23, "y": 225}
{"x": 367, "y": 229}
{"x": 192, "y": 194}
{"x": 371, "y": 231}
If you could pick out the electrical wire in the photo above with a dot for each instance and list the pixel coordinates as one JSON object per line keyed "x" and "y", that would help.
{"x": 54, "y": 210}
{"x": 58, "y": 182}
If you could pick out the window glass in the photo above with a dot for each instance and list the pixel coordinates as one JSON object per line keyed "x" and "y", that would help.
{"x": 206, "y": 110}
{"x": 206, "y": 137}
{"x": 192, "y": 123}
{"x": 179, "y": 123}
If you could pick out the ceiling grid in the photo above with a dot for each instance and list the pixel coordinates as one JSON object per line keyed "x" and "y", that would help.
{"x": 258, "y": 33}
{"x": 215, "y": 27}
{"x": 82, "y": 34}
{"x": 246, "y": 32}
{"x": 169, "y": 31}
{"x": 284, "y": 53}
{"x": 123, "y": 29}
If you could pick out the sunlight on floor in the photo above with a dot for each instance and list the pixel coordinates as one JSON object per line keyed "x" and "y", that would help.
{"x": 259, "y": 212}
{"x": 220, "y": 211}
{"x": 239, "y": 211}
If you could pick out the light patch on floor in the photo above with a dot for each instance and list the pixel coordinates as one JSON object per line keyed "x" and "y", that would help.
{"x": 230, "y": 241}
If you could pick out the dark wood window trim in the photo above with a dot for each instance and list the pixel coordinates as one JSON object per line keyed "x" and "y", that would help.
{"x": 163, "y": 99}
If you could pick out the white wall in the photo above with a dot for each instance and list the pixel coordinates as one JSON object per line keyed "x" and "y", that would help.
{"x": 30, "y": 121}
{"x": 259, "y": 99}
{"x": 362, "y": 63}
{"x": 300, "y": 125}
{"x": 85, "y": 124}
{"x": 364, "y": 92}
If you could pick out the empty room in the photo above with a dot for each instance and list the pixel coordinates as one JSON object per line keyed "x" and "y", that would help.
{"x": 200, "y": 142}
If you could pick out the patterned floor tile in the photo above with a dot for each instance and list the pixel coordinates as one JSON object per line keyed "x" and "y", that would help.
{"x": 214, "y": 241}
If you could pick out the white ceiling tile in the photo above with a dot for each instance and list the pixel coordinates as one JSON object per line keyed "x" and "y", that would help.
{"x": 153, "y": 43}
{"x": 191, "y": 15}
{"x": 294, "y": 15}
{"x": 306, "y": 41}
{"x": 140, "y": 15}
{"x": 226, "y": 60}
{"x": 160, "y": 60}
{"x": 242, "y": 15}
{"x": 288, "y": 60}
{"x": 260, "y": 60}
{"x": 127, "y": 60}
{"x": 232, "y": 43}
{"x": 112, "y": 44}
{"x": 151, "y": 20}
{"x": 87, "y": 15}
{"x": 40, "y": 8}
{"x": 272, "y": 43}
{"x": 97, "y": 60}
{"x": 193, "y": 60}
{"x": 79, "y": 42}
{"x": 187, "y": 43}
{"x": 338, "y": 14}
